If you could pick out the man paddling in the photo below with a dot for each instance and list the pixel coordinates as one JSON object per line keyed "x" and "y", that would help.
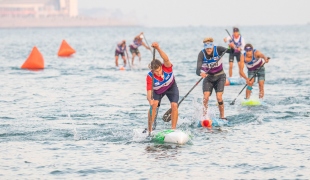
{"x": 210, "y": 67}
{"x": 133, "y": 47}
{"x": 236, "y": 42}
{"x": 164, "y": 84}
{"x": 253, "y": 59}
{"x": 120, "y": 50}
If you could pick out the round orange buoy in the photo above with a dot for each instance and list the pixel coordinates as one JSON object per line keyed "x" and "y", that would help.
{"x": 34, "y": 61}
{"x": 122, "y": 68}
{"x": 205, "y": 123}
{"x": 65, "y": 49}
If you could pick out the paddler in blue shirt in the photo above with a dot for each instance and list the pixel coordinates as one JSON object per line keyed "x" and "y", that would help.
{"x": 253, "y": 59}
{"x": 236, "y": 42}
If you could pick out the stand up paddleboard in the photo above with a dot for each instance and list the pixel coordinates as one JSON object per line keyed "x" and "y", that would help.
{"x": 251, "y": 102}
{"x": 165, "y": 136}
{"x": 234, "y": 81}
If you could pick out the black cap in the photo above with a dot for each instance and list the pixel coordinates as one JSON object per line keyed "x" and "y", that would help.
{"x": 235, "y": 29}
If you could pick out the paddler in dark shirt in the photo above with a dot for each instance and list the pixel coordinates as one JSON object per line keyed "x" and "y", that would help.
{"x": 210, "y": 67}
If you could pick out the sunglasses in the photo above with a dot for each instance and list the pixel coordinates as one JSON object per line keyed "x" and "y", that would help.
{"x": 208, "y": 45}
{"x": 247, "y": 49}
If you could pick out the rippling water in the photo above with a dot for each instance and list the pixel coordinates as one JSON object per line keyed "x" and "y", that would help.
{"x": 75, "y": 118}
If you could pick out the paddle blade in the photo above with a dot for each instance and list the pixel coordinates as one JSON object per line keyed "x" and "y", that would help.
{"x": 233, "y": 102}
{"x": 167, "y": 116}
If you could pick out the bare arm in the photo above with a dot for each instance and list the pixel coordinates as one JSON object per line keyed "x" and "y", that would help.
{"x": 258, "y": 54}
{"x": 162, "y": 54}
{"x": 241, "y": 66}
{"x": 143, "y": 44}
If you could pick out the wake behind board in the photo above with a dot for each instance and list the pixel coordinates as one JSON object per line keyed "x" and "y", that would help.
{"x": 251, "y": 102}
{"x": 165, "y": 136}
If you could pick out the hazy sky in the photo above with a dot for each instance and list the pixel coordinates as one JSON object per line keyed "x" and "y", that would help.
{"x": 209, "y": 12}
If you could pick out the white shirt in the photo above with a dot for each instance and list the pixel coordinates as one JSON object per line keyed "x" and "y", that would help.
{"x": 237, "y": 40}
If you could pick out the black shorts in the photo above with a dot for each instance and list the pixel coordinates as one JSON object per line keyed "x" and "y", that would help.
{"x": 172, "y": 93}
{"x": 117, "y": 53}
{"x": 134, "y": 50}
{"x": 232, "y": 55}
{"x": 214, "y": 82}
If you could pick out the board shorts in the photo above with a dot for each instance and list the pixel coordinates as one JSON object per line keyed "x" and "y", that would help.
{"x": 232, "y": 55}
{"x": 134, "y": 50}
{"x": 117, "y": 53}
{"x": 172, "y": 93}
{"x": 260, "y": 75}
{"x": 214, "y": 82}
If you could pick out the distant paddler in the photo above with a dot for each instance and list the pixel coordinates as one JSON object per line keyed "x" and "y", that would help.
{"x": 235, "y": 42}
{"x": 120, "y": 50}
{"x": 133, "y": 47}
{"x": 253, "y": 59}
{"x": 164, "y": 84}
{"x": 210, "y": 67}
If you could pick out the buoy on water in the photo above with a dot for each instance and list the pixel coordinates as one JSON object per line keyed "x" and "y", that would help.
{"x": 65, "y": 49}
{"x": 35, "y": 60}
{"x": 215, "y": 122}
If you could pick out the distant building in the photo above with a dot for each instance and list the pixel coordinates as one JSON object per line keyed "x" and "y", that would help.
{"x": 38, "y": 8}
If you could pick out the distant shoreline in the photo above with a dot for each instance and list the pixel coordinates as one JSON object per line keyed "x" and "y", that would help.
{"x": 50, "y": 22}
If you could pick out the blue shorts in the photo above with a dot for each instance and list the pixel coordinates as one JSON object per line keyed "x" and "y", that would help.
{"x": 172, "y": 93}
{"x": 260, "y": 75}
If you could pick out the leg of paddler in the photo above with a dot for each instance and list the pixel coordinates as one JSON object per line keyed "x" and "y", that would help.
{"x": 261, "y": 88}
{"x": 139, "y": 55}
{"x": 124, "y": 59}
{"x": 133, "y": 57}
{"x": 231, "y": 65}
{"x": 174, "y": 115}
{"x": 154, "y": 109}
{"x": 116, "y": 61}
{"x": 219, "y": 97}
{"x": 206, "y": 96}
{"x": 249, "y": 89}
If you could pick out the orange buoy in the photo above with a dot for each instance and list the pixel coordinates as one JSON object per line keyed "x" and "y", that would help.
{"x": 65, "y": 49}
{"x": 205, "y": 123}
{"x": 34, "y": 61}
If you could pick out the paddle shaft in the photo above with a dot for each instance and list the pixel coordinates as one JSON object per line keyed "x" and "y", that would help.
{"x": 128, "y": 59}
{"x": 149, "y": 46}
{"x": 228, "y": 33}
{"x": 151, "y": 113}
